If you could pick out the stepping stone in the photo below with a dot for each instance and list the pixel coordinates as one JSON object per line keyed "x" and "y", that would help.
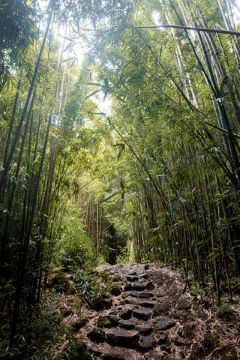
{"x": 131, "y": 300}
{"x": 139, "y": 301}
{"x": 107, "y": 321}
{"x": 126, "y": 312}
{"x": 97, "y": 335}
{"x": 129, "y": 293}
{"x": 139, "y": 286}
{"x": 148, "y": 303}
{"x": 142, "y": 314}
{"x": 144, "y": 329}
{"x": 132, "y": 272}
{"x": 146, "y": 342}
{"x": 143, "y": 276}
{"x": 163, "y": 323}
{"x": 115, "y": 310}
{"x": 127, "y": 324}
{"x": 122, "y": 337}
{"x": 132, "y": 278}
{"x": 138, "y": 294}
{"x": 119, "y": 354}
{"x": 145, "y": 294}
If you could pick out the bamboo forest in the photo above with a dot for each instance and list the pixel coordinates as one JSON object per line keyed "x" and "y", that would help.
{"x": 120, "y": 179}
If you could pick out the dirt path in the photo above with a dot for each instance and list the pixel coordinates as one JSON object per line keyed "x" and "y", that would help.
{"x": 151, "y": 319}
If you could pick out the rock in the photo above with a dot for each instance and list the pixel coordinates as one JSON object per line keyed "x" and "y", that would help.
{"x": 145, "y": 294}
{"x": 117, "y": 353}
{"x": 97, "y": 335}
{"x": 126, "y": 294}
{"x": 132, "y": 272}
{"x": 143, "y": 314}
{"x": 126, "y": 313}
{"x": 163, "y": 323}
{"x": 132, "y": 278}
{"x": 161, "y": 309}
{"x": 131, "y": 300}
{"x": 139, "y": 286}
{"x": 146, "y": 342}
{"x": 115, "y": 310}
{"x": 144, "y": 329}
{"x": 101, "y": 304}
{"x": 104, "y": 268}
{"x": 122, "y": 337}
{"x": 143, "y": 276}
{"x": 107, "y": 321}
{"x": 148, "y": 303}
{"x": 138, "y": 294}
{"x": 127, "y": 324}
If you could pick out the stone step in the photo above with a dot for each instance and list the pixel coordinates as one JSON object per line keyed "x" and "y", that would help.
{"x": 122, "y": 337}
{"x": 163, "y": 323}
{"x": 119, "y": 354}
{"x": 140, "y": 294}
{"x": 107, "y": 321}
{"x": 139, "y": 286}
{"x": 144, "y": 329}
{"x": 143, "y": 314}
{"x": 126, "y": 312}
{"x": 139, "y": 301}
{"x": 127, "y": 324}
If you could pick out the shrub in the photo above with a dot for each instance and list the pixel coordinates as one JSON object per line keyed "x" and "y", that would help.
{"x": 75, "y": 248}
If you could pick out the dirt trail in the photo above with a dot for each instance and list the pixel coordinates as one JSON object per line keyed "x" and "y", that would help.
{"x": 150, "y": 318}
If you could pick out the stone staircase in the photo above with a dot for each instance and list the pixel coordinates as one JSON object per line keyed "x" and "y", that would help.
{"x": 150, "y": 319}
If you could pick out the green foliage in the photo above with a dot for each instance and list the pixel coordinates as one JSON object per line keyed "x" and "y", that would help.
{"x": 93, "y": 286}
{"x": 75, "y": 248}
{"x": 73, "y": 349}
{"x": 225, "y": 311}
{"x": 37, "y": 333}
{"x": 17, "y": 32}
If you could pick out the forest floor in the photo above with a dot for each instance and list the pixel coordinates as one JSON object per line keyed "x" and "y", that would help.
{"x": 152, "y": 317}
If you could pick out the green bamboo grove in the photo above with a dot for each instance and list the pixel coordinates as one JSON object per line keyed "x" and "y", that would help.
{"x": 132, "y": 155}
